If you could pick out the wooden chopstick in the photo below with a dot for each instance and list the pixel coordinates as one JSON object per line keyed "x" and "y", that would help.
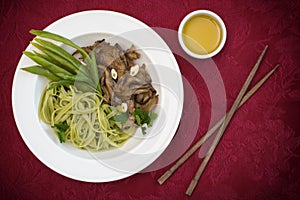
{"x": 229, "y": 116}
{"x": 209, "y": 133}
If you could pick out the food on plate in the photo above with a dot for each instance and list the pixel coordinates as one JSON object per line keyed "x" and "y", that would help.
{"x": 96, "y": 97}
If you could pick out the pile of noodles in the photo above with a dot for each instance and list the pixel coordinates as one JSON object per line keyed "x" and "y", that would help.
{"x": 89, "y": 120}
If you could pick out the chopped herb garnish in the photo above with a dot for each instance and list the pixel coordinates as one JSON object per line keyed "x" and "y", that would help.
{"x": 61, "y": 128}
{"x": 144, "y": 117}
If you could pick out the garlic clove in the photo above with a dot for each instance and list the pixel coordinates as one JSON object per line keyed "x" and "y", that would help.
{"x": 124, "y": 107}
{"x": 134, "y": 70}
{"x": 114, "y": 74}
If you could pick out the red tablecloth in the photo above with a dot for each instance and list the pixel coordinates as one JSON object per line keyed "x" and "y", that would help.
{"x": 259, "y": 154}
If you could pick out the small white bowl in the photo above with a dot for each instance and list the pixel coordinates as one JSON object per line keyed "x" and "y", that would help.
{"x": 214, "y": 16}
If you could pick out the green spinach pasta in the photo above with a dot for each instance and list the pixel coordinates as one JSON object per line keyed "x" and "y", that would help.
{"x": 87, "y": 120}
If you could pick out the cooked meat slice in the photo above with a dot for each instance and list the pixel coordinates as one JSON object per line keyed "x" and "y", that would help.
{"x": 126, "y": 86}
{"x": 131, "y": 54}
{"x": 106, "y": 83}
{"x": 143, "y": 74}
{"x": 130, "y": 104}
{"x": 119, "y": 48}
{"x": 144, "y": 95}
{"x": 105, "y": 53}
{"x": 119, "y": 66}
{"x": 105, "y": 93}
{"x": 128, "y": 63}
{"x": 143, "y": 98}
{"x": 101, "y": 69}
{"x": 110, "y": 56}
{"x": 149, "y": 105}
{"x": 87, "y": 49}
{"x": 136, "y": 89}
{"x": 145, "y": 89}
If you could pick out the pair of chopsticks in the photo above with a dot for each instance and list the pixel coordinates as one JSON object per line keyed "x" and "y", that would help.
{"x": 222, "y": 123}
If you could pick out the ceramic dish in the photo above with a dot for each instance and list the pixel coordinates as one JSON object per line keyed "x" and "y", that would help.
{"x": 139, "y": 151}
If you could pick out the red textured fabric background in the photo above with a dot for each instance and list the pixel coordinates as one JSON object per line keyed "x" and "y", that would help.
{"x": 259, "y": 154}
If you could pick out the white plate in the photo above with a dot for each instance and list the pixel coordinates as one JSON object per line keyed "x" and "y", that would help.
{"x": 140, "y": 151}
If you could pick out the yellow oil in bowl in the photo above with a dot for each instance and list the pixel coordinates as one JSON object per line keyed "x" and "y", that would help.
{"x": 202, "y": 34}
